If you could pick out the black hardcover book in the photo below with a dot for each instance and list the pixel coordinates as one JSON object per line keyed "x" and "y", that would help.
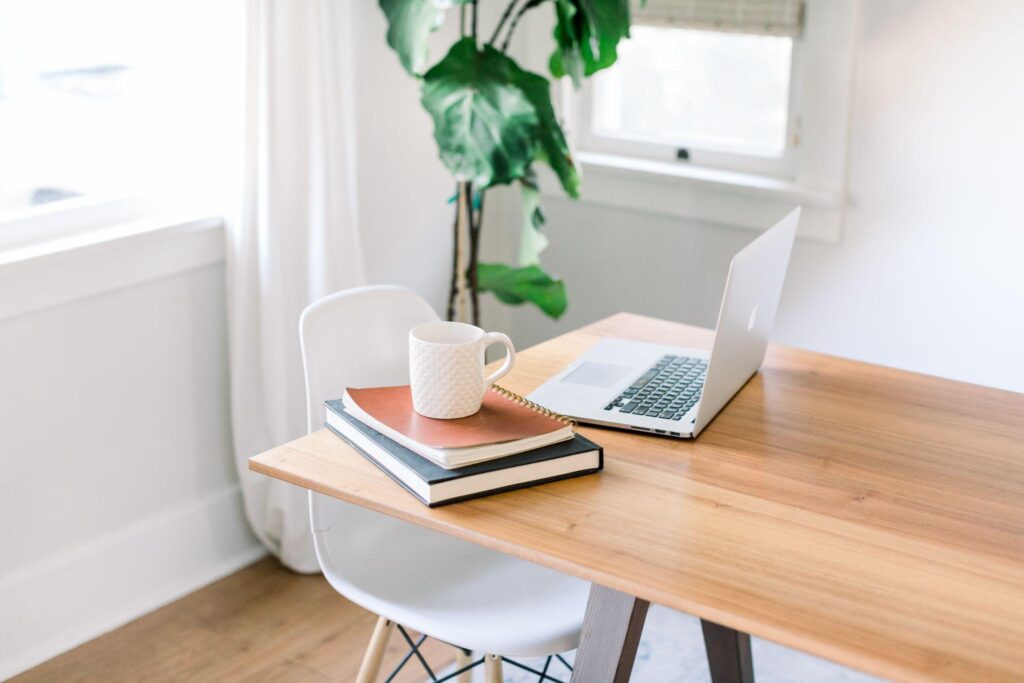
{"x": 434, "y": 485}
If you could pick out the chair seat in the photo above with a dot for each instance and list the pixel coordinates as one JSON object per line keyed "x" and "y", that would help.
{"x": 450, "y": 589}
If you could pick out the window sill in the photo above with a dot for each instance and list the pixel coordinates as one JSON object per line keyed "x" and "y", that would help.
{"x": 73, "y": 266}
{"x": 706, "y": 195}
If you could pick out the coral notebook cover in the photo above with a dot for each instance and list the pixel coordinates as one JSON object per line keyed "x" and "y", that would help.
{"x": 500, "y": 419}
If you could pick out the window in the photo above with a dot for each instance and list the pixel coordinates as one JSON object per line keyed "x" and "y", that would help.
{"x": 700, "y": 90}
{"x": 110, "y": 99}
{"x": 709, "y": 82}
{"x": 721, "y": 111}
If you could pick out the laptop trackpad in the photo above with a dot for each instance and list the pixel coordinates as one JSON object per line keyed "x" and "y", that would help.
{"x": 597, "y": 374}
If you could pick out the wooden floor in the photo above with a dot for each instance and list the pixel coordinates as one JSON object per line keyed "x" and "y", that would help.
{"x": 263, "y": 623}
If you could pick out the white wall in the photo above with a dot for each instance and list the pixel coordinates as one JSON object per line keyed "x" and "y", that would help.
{"x": 928, "y": 274}
{"x": 118, "y": 490}
{"x": 403, "y": 187}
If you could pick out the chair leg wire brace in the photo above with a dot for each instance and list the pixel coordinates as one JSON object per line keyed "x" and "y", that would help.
{"x": 414, "y": 651}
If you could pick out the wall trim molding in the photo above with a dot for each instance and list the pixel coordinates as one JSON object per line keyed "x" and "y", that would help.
{"x": 63, "y": 601}
{"x": 56, "y": 271}
{"x": 706, "y": 196}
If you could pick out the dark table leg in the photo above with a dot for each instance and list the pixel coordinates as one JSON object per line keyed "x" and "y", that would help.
{"x": 729, "y": 655}
{"x": 611, "y": 632}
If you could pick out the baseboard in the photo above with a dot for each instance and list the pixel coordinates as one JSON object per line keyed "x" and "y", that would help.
{"x": 56, "y": 605}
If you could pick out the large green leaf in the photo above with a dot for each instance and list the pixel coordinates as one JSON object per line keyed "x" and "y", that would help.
{"x": 492, "y": 119}
{"x": 552, "y": 145}
{"x": 410, "y": 23}
{"x": 484, "y": 124}
{"x": 520, "y": 285}
{"x": 588, "y": 33}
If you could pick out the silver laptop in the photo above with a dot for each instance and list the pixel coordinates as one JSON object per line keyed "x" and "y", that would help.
{"x": 673, "y": 390}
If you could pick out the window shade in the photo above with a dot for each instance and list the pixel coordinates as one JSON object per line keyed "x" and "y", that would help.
{"x": 765, "y": 17}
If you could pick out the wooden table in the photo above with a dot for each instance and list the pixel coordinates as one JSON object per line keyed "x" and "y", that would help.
{"x": 867, "y": 515}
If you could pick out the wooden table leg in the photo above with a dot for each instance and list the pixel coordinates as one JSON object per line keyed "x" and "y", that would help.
{"x": 611, "y": 631}
{"x": 729, "y": 655}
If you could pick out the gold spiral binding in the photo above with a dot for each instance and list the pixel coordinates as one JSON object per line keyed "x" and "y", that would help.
{"x": 523, "y": 401}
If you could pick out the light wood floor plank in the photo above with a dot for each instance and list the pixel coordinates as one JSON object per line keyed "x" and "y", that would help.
{"x": 263, "y": 623}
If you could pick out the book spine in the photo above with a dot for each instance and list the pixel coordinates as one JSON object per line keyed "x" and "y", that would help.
{"x": 514, "y": 487}
{"x": 475, "y": 494}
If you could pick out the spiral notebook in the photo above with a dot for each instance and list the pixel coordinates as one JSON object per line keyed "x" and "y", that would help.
{"x": 505, "y": 425}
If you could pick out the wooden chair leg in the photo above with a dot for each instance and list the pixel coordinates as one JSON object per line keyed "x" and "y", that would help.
{"x": 463, "y": 658}
{"x": 492, "y": 669}
{"x": 370, "y": 667}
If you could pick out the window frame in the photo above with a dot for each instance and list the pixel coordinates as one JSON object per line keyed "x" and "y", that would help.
{"x": 58, "y": 219}
{"x": 579, "y": 109}
{"x": 739, "y": 195}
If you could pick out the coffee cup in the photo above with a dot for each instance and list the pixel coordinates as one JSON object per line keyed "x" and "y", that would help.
{"x": 446, "y": 368}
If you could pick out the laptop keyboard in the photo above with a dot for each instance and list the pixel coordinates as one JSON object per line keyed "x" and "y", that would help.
{"x": 668, "y": 390}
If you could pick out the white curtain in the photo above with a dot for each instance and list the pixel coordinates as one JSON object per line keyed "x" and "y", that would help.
{"x": 295, "y": 240}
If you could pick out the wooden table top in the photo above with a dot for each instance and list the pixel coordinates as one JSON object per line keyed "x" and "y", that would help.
{"x": 871, "y": 516}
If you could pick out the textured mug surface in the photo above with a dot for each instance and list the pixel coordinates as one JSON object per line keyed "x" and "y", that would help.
{"x": 446, "y": 368}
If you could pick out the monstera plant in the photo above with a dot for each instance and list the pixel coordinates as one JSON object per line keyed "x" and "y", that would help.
{"x": 493, "y": 120}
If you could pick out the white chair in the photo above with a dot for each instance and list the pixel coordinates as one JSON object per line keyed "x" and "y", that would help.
{"x": 452, "y": 590}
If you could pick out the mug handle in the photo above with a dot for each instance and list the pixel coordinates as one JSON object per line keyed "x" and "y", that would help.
{"x": 510, "y": 357}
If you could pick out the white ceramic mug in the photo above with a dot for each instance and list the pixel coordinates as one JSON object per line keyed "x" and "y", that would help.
{"x": 446, "y": 368}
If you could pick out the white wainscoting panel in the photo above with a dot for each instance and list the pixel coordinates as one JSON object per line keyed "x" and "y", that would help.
{"x": 68, "y": 599}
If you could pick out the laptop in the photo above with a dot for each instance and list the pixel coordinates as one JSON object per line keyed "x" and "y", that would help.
{"x": 672, "y": 390}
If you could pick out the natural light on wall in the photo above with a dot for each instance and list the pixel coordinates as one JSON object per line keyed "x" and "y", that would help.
{"x": 113, "y": 98}
{"x": 704, "y": 89}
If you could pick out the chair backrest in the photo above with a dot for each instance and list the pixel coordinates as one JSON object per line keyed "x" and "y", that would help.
{"x": 354, "y": 338}
{"x": 357, "y": 338}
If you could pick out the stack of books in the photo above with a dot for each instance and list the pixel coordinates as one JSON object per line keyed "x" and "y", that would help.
{"x": 509, "y": 444}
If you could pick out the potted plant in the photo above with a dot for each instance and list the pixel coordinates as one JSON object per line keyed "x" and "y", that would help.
{"x": 493, "y": 120}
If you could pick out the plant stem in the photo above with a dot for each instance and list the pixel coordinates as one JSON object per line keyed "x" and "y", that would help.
{"x": 462, "y": 21}
{"x": 465, "y": 294}
{"x": 474, "y": 19}
{"x": 460, "y": 292}
{"x": 515, "y": 22}
{"x": 501, "y": 23}
{"x": 474, "y": 249}
{"x": 452, "y": 288}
